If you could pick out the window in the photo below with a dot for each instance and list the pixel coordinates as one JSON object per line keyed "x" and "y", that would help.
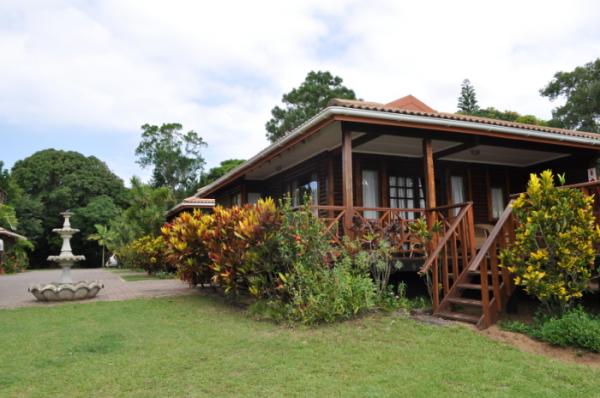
{"x": 305, "y": 186}
{"x": 253, "y": 197}
{"x": 370, "y": 192}
{"x": 406, "y": 192}
{"x": 236, "y": 200}
{"x": 457, "y": 191}
{"x": 498, "y": 205}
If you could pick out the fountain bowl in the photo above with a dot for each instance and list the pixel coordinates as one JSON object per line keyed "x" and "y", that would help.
{"x": 66, "y": 291}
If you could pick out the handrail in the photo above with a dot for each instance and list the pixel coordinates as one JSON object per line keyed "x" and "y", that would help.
{"x": 446, "y": 207}
{"x": 447, "y": 236}
{"x": 487, "y": 245}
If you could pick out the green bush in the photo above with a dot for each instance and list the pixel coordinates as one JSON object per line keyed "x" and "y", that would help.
{"x": 556, "y": 237}
{"x": 16, "y": 258}
{"x": 147, "y": 253}
{"x": 576, "y": 328}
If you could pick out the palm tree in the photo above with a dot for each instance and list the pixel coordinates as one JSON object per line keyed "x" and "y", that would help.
{"x": 105, "y": 238}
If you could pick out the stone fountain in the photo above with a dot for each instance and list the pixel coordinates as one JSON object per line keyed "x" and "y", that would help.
{"x": 66, "y": 289}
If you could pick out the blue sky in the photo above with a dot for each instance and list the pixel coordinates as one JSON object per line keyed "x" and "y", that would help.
{"x": 85, "y": 75}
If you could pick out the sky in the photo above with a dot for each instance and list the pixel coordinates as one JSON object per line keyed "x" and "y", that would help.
{"x": 85, "y": 75}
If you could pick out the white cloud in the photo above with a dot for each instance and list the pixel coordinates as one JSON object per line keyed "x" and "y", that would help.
{"x": 219, "y": 67}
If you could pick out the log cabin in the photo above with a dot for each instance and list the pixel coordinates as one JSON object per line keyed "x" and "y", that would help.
{"x": 400, "y": 161}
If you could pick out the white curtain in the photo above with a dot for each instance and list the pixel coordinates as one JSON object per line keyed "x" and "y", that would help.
{"x": 253, "y": 197}
{"x": 497, "y": 202}
{"x": 457, "y": 185}
{"x": 370, "y": 192}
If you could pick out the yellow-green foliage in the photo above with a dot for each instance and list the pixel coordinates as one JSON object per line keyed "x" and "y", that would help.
{"x": 146, "y": 253}
{"x": 186, "y": 240}
{"x": 554, "y": 250}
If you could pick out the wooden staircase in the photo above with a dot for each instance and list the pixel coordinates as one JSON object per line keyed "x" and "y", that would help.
{"x": 473, "y": 288}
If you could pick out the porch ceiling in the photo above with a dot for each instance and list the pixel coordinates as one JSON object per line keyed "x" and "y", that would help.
{"x": 503, "y": 156}
{"x": 329, "y": 138}
{"x": 401, "y": 146}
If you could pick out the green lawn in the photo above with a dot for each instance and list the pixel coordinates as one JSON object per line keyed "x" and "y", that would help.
{"x": 196, "y": 346}
{"x": 142, "y": 277}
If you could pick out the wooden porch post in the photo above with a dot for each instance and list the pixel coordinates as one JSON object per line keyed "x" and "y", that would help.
{"x": 430, "y": 216}
{"x": 348, "y": 200}
{"x": 428, "y": 172}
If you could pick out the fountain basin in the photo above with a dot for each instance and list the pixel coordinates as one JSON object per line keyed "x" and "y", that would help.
{"x": 66, "y": 291}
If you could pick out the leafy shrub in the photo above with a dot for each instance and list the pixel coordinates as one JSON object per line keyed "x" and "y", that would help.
{"x": 575, "y": 328}
{"x": 553, "y": 253}
{"x": 240, "y": 245}
{"x": 16, "y": 258}
{"x": 282, "y": 257}
{"x": 186, "y": 248}
{"x": 314, "y": 281}
{"x": 319, "y": 294}
{"x": 147, "y": 253}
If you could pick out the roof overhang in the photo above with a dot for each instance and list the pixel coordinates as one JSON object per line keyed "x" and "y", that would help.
{"x": 13, "y": 235}
{"x": 191, "y": 204}
{"x": 332, "y": 114}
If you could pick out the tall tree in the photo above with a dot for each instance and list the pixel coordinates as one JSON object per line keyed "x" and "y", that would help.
{"x": 467, "y": 101}
{"x": 581, "y": 89}
{"x": 217, "y": 172}
{"x": 145, "y": 214}
{"x": 173, "y": 155}
{"x": 105, "y": 237}
{"x": 304, "y": 102}
{"x": 53, "y": 181}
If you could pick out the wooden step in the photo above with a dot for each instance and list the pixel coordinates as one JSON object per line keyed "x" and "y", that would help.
{"x": 464, "y": 301}
{"x": 473, "y": 286}
{"x": 479, "y": 273}
{"x": 458, "y": 316}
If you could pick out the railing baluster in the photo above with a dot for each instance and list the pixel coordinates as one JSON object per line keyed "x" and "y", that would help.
{"x": 494, "y": 268}
{"x": 435, "y": 283}
{"x": 445, "y": 281}
{"x": 485, "y": 293}
{"x": 454, "y": 249}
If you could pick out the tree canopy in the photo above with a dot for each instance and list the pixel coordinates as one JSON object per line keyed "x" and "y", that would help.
{"x": 217, "y": 172}
{"x": 304, "y": 102}
{"x": 174, "y": 156}
{"x": 467, "y": 101}
{"x": 144, "y": 215}
{"x": 581, "y": 89}
{"x": 51, "y": 181}
{"x": 468, "y": 105}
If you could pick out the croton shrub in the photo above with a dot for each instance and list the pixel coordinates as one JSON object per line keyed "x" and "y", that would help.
{"x": 280, "y": 256}
{"x": 147, "y": 253}
{"x": 554, "y": 252}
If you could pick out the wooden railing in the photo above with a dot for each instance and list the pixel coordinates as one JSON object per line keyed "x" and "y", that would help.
{"x": 486, "y": 262}
{"x": 396, "y": 223}
{"x": 453, "y": 249}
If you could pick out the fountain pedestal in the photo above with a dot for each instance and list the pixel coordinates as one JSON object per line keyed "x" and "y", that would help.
{"x": 66, "y": 289}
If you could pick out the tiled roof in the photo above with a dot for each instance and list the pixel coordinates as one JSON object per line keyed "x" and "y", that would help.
{"x": 393, "y": 107}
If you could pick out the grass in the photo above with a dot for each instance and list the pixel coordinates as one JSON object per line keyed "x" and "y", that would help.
{"x": 144, "y": 277}
{"x": 197, "y": 346}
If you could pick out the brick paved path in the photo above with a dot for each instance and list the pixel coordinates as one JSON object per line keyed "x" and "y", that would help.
{"x": 13, "y": 288}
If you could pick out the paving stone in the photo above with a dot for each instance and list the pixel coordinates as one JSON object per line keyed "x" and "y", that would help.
{"x": 13, "y": 288}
